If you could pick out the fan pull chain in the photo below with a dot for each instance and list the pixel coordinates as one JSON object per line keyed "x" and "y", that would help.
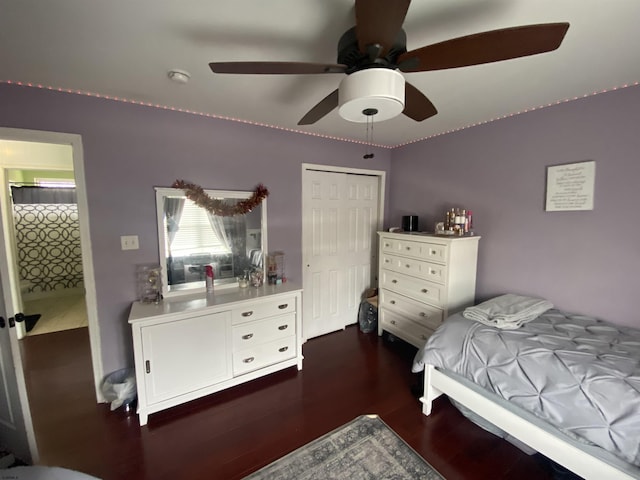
{"x": 369, "y": 112}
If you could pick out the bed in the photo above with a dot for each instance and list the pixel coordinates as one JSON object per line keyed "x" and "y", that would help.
{"x": 565, "y": 385}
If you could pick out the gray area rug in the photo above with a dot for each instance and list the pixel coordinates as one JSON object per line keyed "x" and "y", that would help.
{"x": 365, "y": 448}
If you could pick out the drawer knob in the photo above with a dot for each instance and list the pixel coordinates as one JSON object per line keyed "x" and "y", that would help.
{"x": 247, "y": 314}
{"x": 387, "y": 244}
{"x": 283, "y": 306}
{"x": 424, "y": 290}
{"x": 249, "y": 360}
{"x": 394, "y": 281}
{"x": 433, "y": 252}
{"x": 392, "y": 302}
{"x": 408, "y": 266}
{"x": 408, "y": 248}
{"x": 247, "y": 336}
{"x": 283, "y": 349}
{"x": 423, "y": 336}
{"x": 386, "y": 260}
{"x": 283, "y": 327}
{"x": 422, "y": 314}
{"x": 392, "y": 322}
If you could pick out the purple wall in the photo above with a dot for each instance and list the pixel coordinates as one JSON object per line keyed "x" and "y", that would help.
{"x": 584, "y": 262}
{"x": 129, "y": 149}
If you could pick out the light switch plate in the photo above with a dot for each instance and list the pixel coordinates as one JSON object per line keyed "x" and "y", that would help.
{"x": 129, "y": 242}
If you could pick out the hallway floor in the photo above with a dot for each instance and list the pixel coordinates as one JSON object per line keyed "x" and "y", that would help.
{"x": 58, "y": 313}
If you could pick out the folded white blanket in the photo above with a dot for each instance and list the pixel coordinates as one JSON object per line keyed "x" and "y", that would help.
{"x": 508, "y": 311}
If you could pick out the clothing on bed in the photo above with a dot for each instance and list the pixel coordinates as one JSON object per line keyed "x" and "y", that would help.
{"x": 508, "y": 311}
{"x": 579, "y": 374}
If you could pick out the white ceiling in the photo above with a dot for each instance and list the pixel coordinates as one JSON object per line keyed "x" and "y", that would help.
{"x": 124, "y": 49}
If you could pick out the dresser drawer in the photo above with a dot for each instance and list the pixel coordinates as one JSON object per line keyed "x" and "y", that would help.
{"x": 251, "y": 333}
{"x": 261, "y": 355}
{"x": 421, "y": 313}
{"x": 426, "y": 251}
{"x": 404, "y": 328}
{"x": 417, "y": 268}
{"x": 421, "y": 290}
{"x": 260, "y": 310}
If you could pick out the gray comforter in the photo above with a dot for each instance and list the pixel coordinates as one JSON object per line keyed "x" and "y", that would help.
{"x": 579, "y": 374}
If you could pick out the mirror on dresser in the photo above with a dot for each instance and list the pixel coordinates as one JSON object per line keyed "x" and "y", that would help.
{"x": 190, "y": 238}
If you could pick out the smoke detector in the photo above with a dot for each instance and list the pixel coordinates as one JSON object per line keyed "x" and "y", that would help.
{"x": 179, "y": 76}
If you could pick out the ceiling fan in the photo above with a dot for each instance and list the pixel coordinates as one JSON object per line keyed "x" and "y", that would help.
{"x": 374, "y": 52}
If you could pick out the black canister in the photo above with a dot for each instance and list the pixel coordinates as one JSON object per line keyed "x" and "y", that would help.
{"x": 410, "y": 223}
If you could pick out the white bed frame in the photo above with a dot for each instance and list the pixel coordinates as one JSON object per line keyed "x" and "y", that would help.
{"x": 587, "y": 466}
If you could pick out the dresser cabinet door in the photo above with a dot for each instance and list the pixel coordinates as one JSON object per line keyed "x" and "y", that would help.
{"x": 186, "y": 355}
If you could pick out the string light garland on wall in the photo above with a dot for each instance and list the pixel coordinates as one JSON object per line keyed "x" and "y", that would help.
{"x": 302, "y": 132}
{"x": 197, "y": 195}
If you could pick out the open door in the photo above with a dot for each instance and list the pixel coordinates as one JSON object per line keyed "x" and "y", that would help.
{"x": 16, "y": 428}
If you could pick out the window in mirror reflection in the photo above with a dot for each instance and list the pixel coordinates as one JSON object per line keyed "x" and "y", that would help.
{"x": 195, "y": 238}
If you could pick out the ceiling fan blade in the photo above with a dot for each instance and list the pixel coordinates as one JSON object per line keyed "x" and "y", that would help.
{"x": 323, "y": 108}
{"x": 486, "y": 47}
{"x": 275, "y": 68}
{"x": 378, "y": 22}
{"x": 416, "y": 105}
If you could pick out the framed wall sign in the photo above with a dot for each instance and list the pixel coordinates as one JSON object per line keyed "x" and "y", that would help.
{"x": 570, "y": 186}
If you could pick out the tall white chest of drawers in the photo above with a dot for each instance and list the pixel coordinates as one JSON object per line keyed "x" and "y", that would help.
{"x": 422, "y": 280}
{"x": 188, "y": 347}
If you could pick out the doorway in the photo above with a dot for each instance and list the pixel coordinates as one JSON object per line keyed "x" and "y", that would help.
{"x": 342, "y": 209}
{"x": 48, "y": 253}
{"x": 54, "y": 152}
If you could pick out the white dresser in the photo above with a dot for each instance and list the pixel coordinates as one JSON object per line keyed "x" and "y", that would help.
{"x": 191, "y": 346}
{"x": 422, "y": 280}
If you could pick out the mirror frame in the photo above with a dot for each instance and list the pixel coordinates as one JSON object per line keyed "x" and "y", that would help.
{"x": 161, "y": 193}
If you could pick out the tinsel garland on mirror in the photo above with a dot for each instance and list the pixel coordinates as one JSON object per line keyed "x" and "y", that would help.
{"x": 197, "y": 195}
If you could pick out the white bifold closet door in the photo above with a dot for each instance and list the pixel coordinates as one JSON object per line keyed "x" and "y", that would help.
{"x": 340, "y": 220}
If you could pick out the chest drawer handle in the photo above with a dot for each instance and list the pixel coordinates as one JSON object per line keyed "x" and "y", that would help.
{"x": 283, "y": 306}
{"x": 408, "y": 266}
{"x": 283, "y": 349}
{"x": 408, "y": 248}
{"x": 424, "y": 290}
{"x": 423, "y": 336}
{"x": 249, "y": 360}
{"x": 247, "y": 336}
{"x": 283, "y": 327}
{"x": 392, "y": 322}
{"x": 392, "y": 302}
{"x": 247, "y": 314}
{"x": 433, "y": 252}
{"x": 394, "y": 281}
{"x": 422, "y": 314}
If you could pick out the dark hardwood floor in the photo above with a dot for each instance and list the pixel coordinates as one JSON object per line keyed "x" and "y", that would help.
{"x": 232, "y": 433}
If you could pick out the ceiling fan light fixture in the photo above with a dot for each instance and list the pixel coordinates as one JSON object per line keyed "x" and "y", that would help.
{"x": 380, "y": 89}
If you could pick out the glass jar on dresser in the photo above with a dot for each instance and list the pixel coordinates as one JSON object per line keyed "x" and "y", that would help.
{"x": 422, "y": 280}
